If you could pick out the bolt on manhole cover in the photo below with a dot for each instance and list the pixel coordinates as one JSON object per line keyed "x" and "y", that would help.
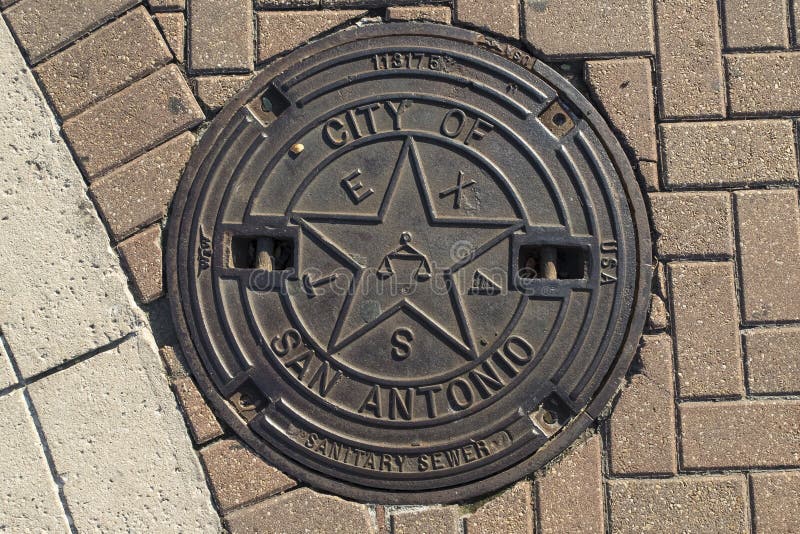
{"x": 409, "y": 264}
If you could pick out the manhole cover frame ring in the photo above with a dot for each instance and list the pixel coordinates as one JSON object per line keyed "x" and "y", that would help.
{"x": 636, "y": 205}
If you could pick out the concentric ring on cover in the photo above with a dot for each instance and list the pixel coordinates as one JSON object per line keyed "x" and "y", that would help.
{"x": 408, "y": 264}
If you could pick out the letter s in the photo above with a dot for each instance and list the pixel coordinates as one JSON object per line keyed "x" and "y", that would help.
{"x": 401, "y": 341}
{"x": 286, "y": 342}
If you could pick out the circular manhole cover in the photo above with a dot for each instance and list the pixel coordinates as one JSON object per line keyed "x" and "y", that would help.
{"x": 409, "y": 264}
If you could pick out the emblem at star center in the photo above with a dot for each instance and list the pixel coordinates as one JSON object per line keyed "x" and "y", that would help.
{"x": 405, "y": 258}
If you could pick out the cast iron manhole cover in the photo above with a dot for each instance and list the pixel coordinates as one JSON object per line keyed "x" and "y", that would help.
{"x": 409, "y": 264}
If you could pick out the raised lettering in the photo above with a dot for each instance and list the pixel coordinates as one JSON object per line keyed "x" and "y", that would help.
{"x": 335, "y": 133}
{"x": 478, "y": 131}
{"x": 372, "y": 402}
{"x": 321, "y": 375}
{"x": 396, "y": 111}
{"x": 401, "y": 341}
{"x": 424, "y": 462}
{"x": 430, "y": 402}
{"x": 368, "y": 112}
{"x": 283, "y": 344}
{"x": 300, "y": 363}
{"x": 459, "y": 394}
{"x": 398, "y": 406}
{"x": 453, "y": 123}
{"x": 356, "y": 190}
{"x": 488, "y": 381}
{"x": 515, "y": 345}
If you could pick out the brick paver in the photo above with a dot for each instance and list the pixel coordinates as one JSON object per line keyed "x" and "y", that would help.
{"x": 141, "y": 255}
{"x": 509, "y": 513}
{"x": 239, "y": 477}
{"x": 44, "y": 26}
{"x": 199, "y": 418}
{"x": 648, "y": 171}
{"x": 624, "y": 88}
{"x": 144, "y": 114}
{"x": 279, "y": 31}
{"x": 221, "y": 35}
{"x": 693, "y": 224}
{"x": 172, "y": 362}
{"x": 776, "y": 502}
{"x": 139, "y": 192}
{"x": 103, "y": 63}
{"x": 768, "y": 224}
{"x": 133, "y": 465}
{"x": 773, "y": 365}
{"x": 440, "y": 520}
{"x": 642, "y": 426}
{"x": 285, "y": 4}
{"x": 502, "y": 17}
{"x": 302, "y": 510}
{"x": 564, "y": 28}
{"x": 215, "y": 91}
{"x": 705, "y": 319}
{"x": 30, "y": 495}
{"x": 760, "y": 84}
{"x": 658, "y": 316}
{"x": 679, "y": 505}
{"x": 570, "y": 493}
{"x": 755, "y": 24}
{"x": 173, "y": 25}
{"x": 338, "y": 4}
{"x": 795, "y": 18}
{"x": 167, "y": 5}
{"x": 431, "y": 13}
{"x": 728, "y": 153}
{"x": 740, "y": 434}
{"x": 689, "y": 59}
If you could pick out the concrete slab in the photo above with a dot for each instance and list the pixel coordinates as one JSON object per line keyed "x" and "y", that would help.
{"x": 120, "y": 445}
{"x": 7, "y": 376}
{"x": 62, "y": 293}
{"x": 30, "y": 496}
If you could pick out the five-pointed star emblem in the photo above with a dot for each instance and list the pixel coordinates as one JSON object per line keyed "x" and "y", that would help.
{"x": 404, "y": 258}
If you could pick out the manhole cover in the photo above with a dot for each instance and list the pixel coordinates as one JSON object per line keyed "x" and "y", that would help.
{"x": 409, "y": 264}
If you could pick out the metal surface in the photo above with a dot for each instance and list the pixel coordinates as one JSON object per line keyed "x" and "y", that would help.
{"x": 409, "y": 264}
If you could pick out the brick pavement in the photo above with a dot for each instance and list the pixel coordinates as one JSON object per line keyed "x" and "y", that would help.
{"x": 704, "y": 436}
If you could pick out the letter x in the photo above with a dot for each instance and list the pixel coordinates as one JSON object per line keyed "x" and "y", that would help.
{"x": 456, "y": 190}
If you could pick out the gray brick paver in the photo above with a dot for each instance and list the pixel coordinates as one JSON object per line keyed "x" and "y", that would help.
{"x": 763, "y": 83}
{"x": 679, "y": 505}
{"x": 565, "y": 28}
{"x": 642, "y": 425}
{"x": 103, "y": 63}
{"x": 768, "y": 225}
{"x": 302, "y": 510}
{"x": 221, "y": 35}
{"x": 711, "y": 154}
{"x": 144, "y": 114}
{"x": 139, "y": 192}
{"x": 706, "y": 328}
{"x": 755, "y": 23}
{"x": 740, "y": 434}
{"x": 690, "y": 59}
{"x": 570, "y": 492}
{"x": 44, "y": 26}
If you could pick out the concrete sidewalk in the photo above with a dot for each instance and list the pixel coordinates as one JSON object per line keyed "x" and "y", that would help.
{"x": 90, "y": 434}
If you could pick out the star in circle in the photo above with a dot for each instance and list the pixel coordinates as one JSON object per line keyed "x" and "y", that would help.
{"x": 405, "y": 257}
